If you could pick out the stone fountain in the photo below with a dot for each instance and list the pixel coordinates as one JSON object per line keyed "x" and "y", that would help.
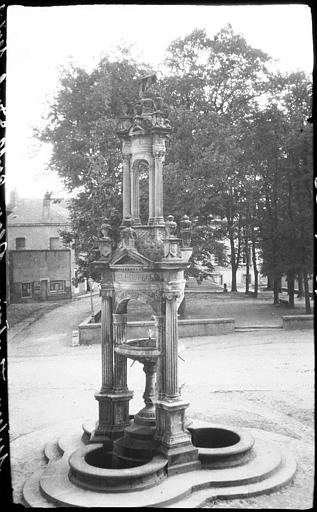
{"x": 156, "y": 452}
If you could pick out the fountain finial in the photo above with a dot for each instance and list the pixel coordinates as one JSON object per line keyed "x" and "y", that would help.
{"x": 146, "y": 81}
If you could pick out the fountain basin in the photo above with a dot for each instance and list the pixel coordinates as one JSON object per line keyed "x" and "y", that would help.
{"x": 142, "y": 349}
{"x": 221, "y": 446}
{"x": 91, "y": 467}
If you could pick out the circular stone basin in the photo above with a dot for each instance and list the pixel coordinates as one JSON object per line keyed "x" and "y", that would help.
{"x": 92, "y": 467}
{"x": 220, "y": 446}
{"x": 214, "y": 438}
{"x": 141, "y": 349}
{"x": 99, "y": 458}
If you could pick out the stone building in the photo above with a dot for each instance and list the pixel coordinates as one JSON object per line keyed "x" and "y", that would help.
{"x": 40, "y": 267}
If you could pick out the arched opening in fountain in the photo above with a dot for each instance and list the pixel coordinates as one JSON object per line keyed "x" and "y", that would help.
{"x": 142, "y": 193}
{"x": 143, "y": 350}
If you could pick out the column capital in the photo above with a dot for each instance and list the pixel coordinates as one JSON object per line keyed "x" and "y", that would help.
{"x": 126, "y": 157}
{"x": 158, "y": 153}
{"x": 171, "y": 295}
{"x": 106, "y": 290}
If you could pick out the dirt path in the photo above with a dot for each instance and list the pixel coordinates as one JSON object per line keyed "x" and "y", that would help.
{"x": 51, "y": 333}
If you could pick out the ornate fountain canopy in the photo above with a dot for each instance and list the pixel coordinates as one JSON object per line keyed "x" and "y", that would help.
{"x": 148, "y": 115}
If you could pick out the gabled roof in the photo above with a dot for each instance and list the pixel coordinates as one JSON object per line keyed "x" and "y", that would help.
{"x": 33, "y": 211}
{"x": 129, "y": 257}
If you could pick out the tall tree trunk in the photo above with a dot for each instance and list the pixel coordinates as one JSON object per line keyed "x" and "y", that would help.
{"x": 247, "y": 268}
{"x": 300, "y": 285}
{"x": 276, "y": 283}
{"x": 290, "y": 284}
{"x": 235, "y": 252}
{"x": 306, "y": 288}
{"x": 269, "y": 285}
{"x": 255, "y": 267}
{"x": 233, "y": 266}
{"x": 247, "y": 278}
{"x": 233, "y": 278}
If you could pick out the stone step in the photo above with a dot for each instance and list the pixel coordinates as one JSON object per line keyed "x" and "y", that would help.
{"x": 184, "y": 468}
{"x": 52, "y": 451}
{"x": 278, "y": 479}
{"x": 251, "y": 328}
{"x": 31, "y": 492}
{"x": 134, "y": 448}
{"x": 144, "y": 433}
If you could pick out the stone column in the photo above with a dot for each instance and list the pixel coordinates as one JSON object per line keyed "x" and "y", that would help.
{"x": 102, "y": 426}
{"x": 120, "y": 362}
{"x": 126, "y": 184}
{"x": 170, "y": 354}
{"x": 106, "y": 337}
{"x": 135, "y": 207}
{"x": 158, "y": 187}
{"x": 114, "y": 396}
{"x": 160, "y": 337}
{"x": 151, "y": 193}
{"x": 173, "y": 438}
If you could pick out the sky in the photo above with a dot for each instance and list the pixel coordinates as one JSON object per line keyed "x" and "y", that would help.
{"x": 40, "y": 40}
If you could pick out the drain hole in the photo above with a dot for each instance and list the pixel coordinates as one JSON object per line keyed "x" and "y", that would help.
{"x": 213, "y": 437}
{"x": 100, "y": 458}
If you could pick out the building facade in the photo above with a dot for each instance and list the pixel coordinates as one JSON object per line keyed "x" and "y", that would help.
{"x": 40, "y": 275}
{"x": 40, "y": 267}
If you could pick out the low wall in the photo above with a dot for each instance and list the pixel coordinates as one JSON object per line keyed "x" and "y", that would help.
{"x": 298, "y": 321}
{"x": 91, "y": 333}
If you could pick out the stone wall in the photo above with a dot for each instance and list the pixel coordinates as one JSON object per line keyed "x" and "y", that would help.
{"x": 298, "y": 322}
{"x": 91, "y": 333}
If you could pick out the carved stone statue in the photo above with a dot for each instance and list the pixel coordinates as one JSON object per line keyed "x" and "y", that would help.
{"x": 105, "y": 242}
{"x": 170, "y": 226}
{"x": 127, "y": 234}
{"x": 145, "y": 83}
{"x": 185, "y": 230}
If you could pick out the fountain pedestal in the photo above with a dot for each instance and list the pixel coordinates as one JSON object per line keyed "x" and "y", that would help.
{"x": 147, "y": 416}
{"x": 145, "y": 351}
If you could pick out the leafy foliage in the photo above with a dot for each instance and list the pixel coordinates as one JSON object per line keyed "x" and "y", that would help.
{"x": 240, "y": 151}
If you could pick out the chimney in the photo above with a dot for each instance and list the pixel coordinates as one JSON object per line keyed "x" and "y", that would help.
{"x": 46, "y": 205}
{"x": 13, "y": 199}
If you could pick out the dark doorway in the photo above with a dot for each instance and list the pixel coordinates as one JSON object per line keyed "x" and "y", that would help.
{"x": 43, "y": 289}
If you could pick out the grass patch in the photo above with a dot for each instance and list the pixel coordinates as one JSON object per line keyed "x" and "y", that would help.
{"x": 17, "y": 313}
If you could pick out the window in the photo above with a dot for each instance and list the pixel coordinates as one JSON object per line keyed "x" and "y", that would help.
{"x": 54, "y": 243}
{"x": 57, "y": 286}
{"x": 20, "y": 243}
{"x": 26, "y": 290}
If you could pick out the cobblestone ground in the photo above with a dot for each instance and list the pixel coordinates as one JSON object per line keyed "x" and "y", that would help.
{"x": 255, "y": 379}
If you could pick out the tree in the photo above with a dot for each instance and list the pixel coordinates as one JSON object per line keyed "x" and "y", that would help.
{"x": 81, "y": 127}
{"x": 213, "y": 86}
{"x": 234, "y": 124}
{"x": 277, "y": 153}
